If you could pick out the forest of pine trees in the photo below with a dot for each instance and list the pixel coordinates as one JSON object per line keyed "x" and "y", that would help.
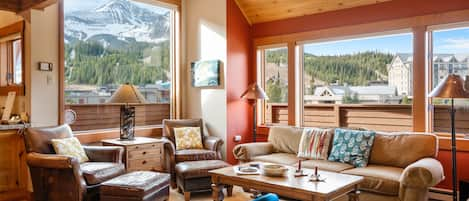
{"x": 90, "y": 63}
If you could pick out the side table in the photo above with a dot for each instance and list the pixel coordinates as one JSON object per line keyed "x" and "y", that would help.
{"x": 143, "y": 153}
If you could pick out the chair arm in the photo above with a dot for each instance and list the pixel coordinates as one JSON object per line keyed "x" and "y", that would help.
{"x": 244, "y": 152}
{"x": 52, "y": 161}
{"x": 213, "y": 143}
{"x": 104, "y": 153}
{"x": 425, "y": 172}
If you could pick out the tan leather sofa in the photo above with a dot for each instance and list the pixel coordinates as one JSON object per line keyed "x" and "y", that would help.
{"x": 402, "y": 166}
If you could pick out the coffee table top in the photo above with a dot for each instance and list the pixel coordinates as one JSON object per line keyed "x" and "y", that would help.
{"x": 333, "y": 181}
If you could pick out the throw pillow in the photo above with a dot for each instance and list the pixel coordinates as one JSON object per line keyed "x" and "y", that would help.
{"x": 188, "y": 138}
{"x": 352, "y": 146}
{"x": 314, "y": 143}
{"x": 70, "y": 147}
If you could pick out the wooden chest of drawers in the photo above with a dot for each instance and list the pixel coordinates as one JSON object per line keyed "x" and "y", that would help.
{"x": 140, "y": 154}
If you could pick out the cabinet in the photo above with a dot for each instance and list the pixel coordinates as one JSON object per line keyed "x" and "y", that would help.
{"x": 140, "y": 154}
{"x": 14, "y": 174}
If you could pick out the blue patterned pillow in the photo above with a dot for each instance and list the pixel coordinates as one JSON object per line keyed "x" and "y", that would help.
{"x": 352, "y": 147}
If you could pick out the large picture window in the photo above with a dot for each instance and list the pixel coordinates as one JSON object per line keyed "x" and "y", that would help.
{"x": 113, "y": 42}
{"x": 450, "y": 55}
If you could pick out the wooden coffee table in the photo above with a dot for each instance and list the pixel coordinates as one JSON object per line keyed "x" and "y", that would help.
{"x": 300, "y": 188}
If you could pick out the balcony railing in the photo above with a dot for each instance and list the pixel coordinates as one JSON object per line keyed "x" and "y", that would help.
{"x": 385, "y": 117}
{"x": 106, "y": 116}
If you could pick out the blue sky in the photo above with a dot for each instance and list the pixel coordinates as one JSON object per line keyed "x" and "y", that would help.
{"x": 448, "y": 41}
{"x": 76, "y": 5}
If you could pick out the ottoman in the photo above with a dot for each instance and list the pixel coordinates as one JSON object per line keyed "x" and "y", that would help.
{"x": 192, "y": 176}
{"x": 136, "y": 186}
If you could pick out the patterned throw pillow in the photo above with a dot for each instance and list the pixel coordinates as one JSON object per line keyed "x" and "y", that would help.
{"x": 188, "y": 138}
{"x": 70, "y": 147}
{"x": 314, "y": 143}
{"x": 352, "y": 147}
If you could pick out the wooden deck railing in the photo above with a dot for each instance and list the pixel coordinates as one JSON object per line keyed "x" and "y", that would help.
{"x": 385, "y": 117}
{"x": 105, "y": 116}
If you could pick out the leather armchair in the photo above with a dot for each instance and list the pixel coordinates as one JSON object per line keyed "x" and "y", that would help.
{"x": 211, "y": 151}
{"x": 58, "y": 177}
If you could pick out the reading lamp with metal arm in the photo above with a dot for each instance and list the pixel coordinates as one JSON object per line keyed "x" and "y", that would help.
{"x": 254, "y": 93}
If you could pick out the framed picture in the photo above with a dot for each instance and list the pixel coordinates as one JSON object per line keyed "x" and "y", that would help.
{"x": 206, "y": 73}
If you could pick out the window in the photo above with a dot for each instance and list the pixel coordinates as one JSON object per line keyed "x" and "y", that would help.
{"x": 11, "y": 59}
{"x": 275, "y": 83}
{"x": 346, "y": 81}
{"x": 112, "y": 42}
{"x": 449, "y": 49}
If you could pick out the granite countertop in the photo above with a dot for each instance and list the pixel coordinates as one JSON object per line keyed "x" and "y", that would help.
{"x": 13, "y": 126}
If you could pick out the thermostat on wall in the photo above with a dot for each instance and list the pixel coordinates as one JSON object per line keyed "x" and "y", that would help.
{"x": 45, "y": 66}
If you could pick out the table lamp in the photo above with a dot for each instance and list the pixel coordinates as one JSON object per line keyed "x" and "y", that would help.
{"x": 451, "y": 87}
{"x": 124, "y": 95}
{"x": 254, "y": 93}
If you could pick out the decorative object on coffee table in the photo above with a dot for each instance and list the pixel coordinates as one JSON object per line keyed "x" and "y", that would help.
{"x": 142, "y": 153}
{"x": 124, "y": 95}
{"x": 450, "y": 88}
{"x": 254, "y": 93}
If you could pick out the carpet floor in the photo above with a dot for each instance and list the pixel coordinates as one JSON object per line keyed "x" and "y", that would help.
{"x": 238, "y": 195}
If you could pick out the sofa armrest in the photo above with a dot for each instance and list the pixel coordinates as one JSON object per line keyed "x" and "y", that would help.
{"x": 213, "y": 143}
{"x": 52, "y": 161}
{"x": 104, "y": 153}
{"x": 244, "y": 152}
{"x": 425, "y": 172}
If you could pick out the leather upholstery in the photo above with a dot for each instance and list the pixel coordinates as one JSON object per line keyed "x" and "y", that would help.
{"x": 245, "y": 152}
{"x": 280, "y": 158}
{"x": 211, "y": 151}
{"x": 197, "y": 169}
{"x": 38, "y": 139}
{"x": 378, "y": 179}
{"x": 326, "y": 165}
{"x": 136, "y": 186}
{"x": 195, "y": 155}
{"x": 98, "y": 172}
{"x": 58, "y": 177}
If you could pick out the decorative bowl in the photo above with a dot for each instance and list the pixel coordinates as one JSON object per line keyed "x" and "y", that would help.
{"x": 274, "y": 170}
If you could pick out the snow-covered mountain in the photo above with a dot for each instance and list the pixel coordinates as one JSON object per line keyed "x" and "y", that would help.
{"x": 117, "y": 21}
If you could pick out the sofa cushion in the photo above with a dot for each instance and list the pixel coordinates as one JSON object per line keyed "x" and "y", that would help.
{"x": 285, "y": 139}
{"x": 326, "y": 165}
{"x": 314, "y": 143}
{"x": 98, "y": 172}
{"x": 195, "y": 155}
{"x": 378, "y": 179}
{"x": 279, "y": 158}
{"x": 402, "y": 149}
{"x": 188, "y": 138}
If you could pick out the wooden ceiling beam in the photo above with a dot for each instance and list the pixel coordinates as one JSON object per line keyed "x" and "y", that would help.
{"x": 9, "y": 5}
{"x": 19, "y": 6}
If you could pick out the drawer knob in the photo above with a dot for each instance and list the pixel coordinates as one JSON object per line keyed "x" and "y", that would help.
{"x": 144, "y": 162}
{"x": 144, "y": 152}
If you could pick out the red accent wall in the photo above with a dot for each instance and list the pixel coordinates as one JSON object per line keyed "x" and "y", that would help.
{"x": 444, "y": 157}
{"x": 365, "y": 14}
{"x": 238, "y": 77}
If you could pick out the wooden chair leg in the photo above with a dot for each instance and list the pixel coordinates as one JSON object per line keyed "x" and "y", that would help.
{"x": 187, "y": 196}
{"x": 229, "y": 190}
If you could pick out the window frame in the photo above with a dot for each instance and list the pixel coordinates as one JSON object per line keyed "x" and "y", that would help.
{"x": 15, "y": 29}
{"x": 175, "y": 62}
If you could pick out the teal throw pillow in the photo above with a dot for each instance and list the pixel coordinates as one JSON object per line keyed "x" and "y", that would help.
{"x": 352, "y": 146}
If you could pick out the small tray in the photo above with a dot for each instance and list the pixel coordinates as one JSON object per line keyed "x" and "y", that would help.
{"x": 246, "y": 170}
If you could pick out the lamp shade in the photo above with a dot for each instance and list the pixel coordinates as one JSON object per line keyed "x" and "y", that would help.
{"x": 127, "y": 93}
{"x": 451, "y": 87}
{"x": 254, "y": 92}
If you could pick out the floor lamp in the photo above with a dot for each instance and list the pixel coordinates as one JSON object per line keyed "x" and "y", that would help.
{"x": 451, "y": 87}
{"x": 254, "y": 93}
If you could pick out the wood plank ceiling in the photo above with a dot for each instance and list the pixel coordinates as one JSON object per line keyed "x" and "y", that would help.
{"x": 257, "y": 11}
{"x": 23, "y": 5}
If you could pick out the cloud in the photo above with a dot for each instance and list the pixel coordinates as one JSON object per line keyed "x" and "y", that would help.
{"x": 456, "y": 43}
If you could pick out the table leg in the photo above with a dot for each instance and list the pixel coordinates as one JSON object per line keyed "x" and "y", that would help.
{"x": 354, "y": 195}
{"x": 217, "y": 192}
{"x": 229, "y": 190}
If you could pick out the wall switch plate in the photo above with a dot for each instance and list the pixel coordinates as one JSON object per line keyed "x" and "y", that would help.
{"x": 45, "y": 66}
{"x": 237, "y": 138}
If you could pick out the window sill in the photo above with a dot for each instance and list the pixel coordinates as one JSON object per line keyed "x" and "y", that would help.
{"x": 92, "y": 136}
